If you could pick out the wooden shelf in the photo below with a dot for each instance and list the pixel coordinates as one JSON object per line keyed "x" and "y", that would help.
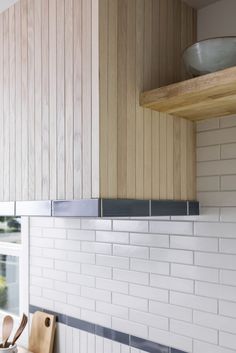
{"x": 199, "y": 98}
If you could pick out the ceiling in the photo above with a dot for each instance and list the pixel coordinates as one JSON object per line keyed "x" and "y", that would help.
{"x": 200, "y": 3}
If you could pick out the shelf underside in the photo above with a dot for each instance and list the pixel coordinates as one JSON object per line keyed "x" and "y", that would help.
{"x": 208, "y": 96}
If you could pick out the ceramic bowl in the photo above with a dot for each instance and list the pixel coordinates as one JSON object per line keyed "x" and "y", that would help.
{"x": 210, "y": 55}
{"x": 9, "y": 349}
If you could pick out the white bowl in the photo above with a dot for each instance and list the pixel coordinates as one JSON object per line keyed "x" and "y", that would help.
{"x": 210, "y": 55}
{"x": 12, "y": 349}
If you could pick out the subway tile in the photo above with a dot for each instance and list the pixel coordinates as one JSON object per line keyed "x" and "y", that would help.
{"x": 77, "y": 256}
{"x": 216, "y": 137}
{"x": 54, "y": 295}
{"x": 148, "y": 292}
{"x": 130, "y": 327}
{"x": 228, "y": 246}
{"x": 35, "y": 251}
{"x": 35, "y": 271}
{"x": 42, "y": 242}
{"x": 170, "y": 339}
{"x": 182, "y": 228}
{"x": 228, "y": 214}
{"x": 112, "y": 237}
{"x": 170, "y": 311}
{"x": 200, "y": 347}
{"x": 227, "y": 340}
{"x": 215, "y": 229}
{"x": 39, "y": 221}
{"x": 54, "y": 254}
{"x": 41, "y": 302}
{"x": 130, "y": 226}
{"x": 81, "y": 280}
{"x": 207, "y": 214}
{"x": 194, "y": 243}
{"x": 67, "y": 266}
{"x": 99, "y": 248}
{"x": 227, "y": 308}
{"x": 54, "y": 233}
{"x": 228, "y": 121}
{"x": 170, "y": 255}
{"x": 114, "y": 310}
{"x": 97, "y": 271}
{"x": 215, "y": 260}
{"x": 131, "y": 251}
{"x": 167, "y": 282}
{"x": 114, "y": 286}
{"x": 148, "y": 319}
{"x": 96, "y": 294}
{"x": 208, "y": 183}
{"x": 67, "y": 245}
{"x": 67, "y": 223}
{"x": 112, "y": 261}
{"x": 222, "y": 167}
{"x": 130, "y": 276}
{"x": 193, "y": 331}
{"x": 228, "y": 151}
{"x": 95, "y": 224}
{"x": 41, "y": 282}
{"x": 54, "y": 274}
{"x": 208, "y": 153}
{"x": 146, "y": 239}
{"x": 41, "y": 262}
{"x": 150, "y": 266}
{"x": 81, "y": 302}
{"x": 195, "y": 272}
{"x": 208, "y": 124}
{"x": 95, "y": 317}
{"x": 81, "y": 234}
{"x": 228, "y": 183}
{"x": 194, "y": 302}
{"x": 130, "y": 301}
{"x": 217, "y": 322}
{"x": 213, "y": 290}
{"x": 35, "y": 232}
{"x": 67, "y": 287}
{"x": 217, "y": 199}
{"x": 35, "y": 290}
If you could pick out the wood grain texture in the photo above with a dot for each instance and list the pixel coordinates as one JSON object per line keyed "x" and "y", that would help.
{"x": 49, "y": 100}
{"x": 144, "y": 159}
{"x": 199, "y": 98}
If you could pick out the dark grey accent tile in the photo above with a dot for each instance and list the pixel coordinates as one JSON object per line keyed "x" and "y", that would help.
{"x": 174, "y": 350}
{"x": 112, "y": 334}
{"x": 81, "y": 324}
{"x": 77, "y": 208}
{"x": 168, "y": 208}
{"x": 125, "y": 208}
{"x": 147, "y": 346}
{"x": 194, "y": 208}
{"x": 33, "y": 309}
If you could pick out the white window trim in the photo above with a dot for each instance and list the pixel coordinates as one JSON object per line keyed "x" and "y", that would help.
{"x": 22, "y": 251}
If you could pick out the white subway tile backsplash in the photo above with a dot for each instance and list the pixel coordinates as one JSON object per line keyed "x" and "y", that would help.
{"x": 154, "y": 240}
{"x": 217, "y": 199}
{"x": 148, "y": 292}
{"x": 96, "y": 294}
{"x": 130, "y": 226}
{"x": 194, "y": 243}
{"x": 216, "y": 137}
{"x": 162, "y": 268}
{"x": 113, "y": 261}
{"x": 170, "y": 311}
{"x": 112, "y": 237}
{"x": 66, "y": 287}
{"x": 54, "y": 295}
{"x": 96, "y": 224}
{"x": 131, "y": 251}
{"x": 208, "y": 183}
{"x": 97, "y": 271}
{"x": 225, "y": 230}
{"x": 208, "y": 124}
{"x": 227, "y": 340}
{"x": 130, "y": 301}
{"x": 182, "y": 228}
{"x": 149, "y": 319}
{"x": 130, "y": 276}
{"x": 67, "y": 266}
{"x": 67, "y": 223}
{"x": 228, "y": 182}
{"x": 97, "y": 318}
{"x": 228, "y": 214}
{"x": 132, "y": 328}
{"x": 114, "y": 310}
{"x": 67, "y": 245}
{"x": 228, "y": 151}
{"x": 227, "y": 308}
{"x": 222, "y": 167}
{"x": 228, "y": 121}
{"x": 54, "y": 233}
{"x": 194, "y": 301}
{"x": 170, "y": 255}
{"x": 194, "y": 331}
{"x": 81, "y": 302}
{"x": 195, "y": 272}
{"x": 54, "y": 274}
{"x": 200, "y": 347}
{"x": 97, "y": 248}
{"x": 215, "y": 260}
{"x": 81, "y": 234}
{"x": 170, "y": 339}
{"x": 114, "y": 286}
{"x": 218, "y": 322}
{"x": 215, "y": 290}
{"x": 82, "y": 280}
{"x": 167, "y": 282}
{"x": 211, "y": 153}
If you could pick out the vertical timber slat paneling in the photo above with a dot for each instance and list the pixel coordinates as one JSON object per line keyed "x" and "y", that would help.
{"x": 163, "y": 29}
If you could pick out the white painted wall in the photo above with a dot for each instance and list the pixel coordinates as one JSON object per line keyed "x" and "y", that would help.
{"x": 217, "y": 20}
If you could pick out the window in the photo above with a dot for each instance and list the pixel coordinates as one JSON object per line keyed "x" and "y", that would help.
{"x": 13, "y": 265}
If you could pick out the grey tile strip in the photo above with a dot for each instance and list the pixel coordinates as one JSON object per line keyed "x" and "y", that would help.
{"x": 113, "y": 335}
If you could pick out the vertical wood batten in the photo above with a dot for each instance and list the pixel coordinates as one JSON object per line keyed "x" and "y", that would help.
{"x": 1, "y": 109}
{"x": 87, "y": 97}
{"x": 38, "y": 100}
{"x": 77, "y": 100}
{"x": 69, "y": 113}
{"x": 6, "y": 107}
{"x": 95, "y": 99}
{"x": 12, "y": 91}
{"x": 61, "y": 99}
{"x": 53, "y": 97}
{"x": 45, "y": 101}
{"x": 31, "y": 106}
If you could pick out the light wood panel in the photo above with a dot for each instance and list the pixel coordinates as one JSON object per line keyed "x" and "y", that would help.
{"x": 49, "y": 116}
{"x": 203, "y": 97}
{"x": 140, "y": 49}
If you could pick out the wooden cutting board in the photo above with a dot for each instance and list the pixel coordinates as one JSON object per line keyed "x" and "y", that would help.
{"x": 42, "y": 333}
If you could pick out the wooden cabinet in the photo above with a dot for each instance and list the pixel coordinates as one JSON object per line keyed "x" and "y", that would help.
{"x": 71, "y": 72}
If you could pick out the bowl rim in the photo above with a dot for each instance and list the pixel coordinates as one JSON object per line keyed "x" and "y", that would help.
{"x": 207, "y": 40}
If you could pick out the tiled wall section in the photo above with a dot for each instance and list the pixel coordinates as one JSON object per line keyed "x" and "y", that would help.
{"x": 172, "y": 281}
